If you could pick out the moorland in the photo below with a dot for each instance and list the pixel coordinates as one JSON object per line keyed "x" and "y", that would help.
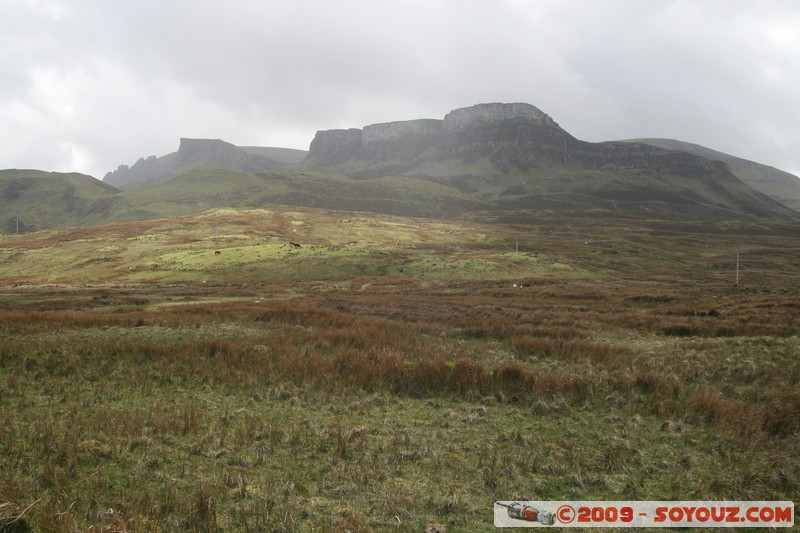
{"x": 313, "y": 370}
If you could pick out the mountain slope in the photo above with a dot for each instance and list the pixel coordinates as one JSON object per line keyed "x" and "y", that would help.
{"x": 777, "y": 184}
{"x": 514, "y": 155}
{"x": 488, "y": 161}
{"x": 34, "y": 199}
{"x": 206, "y": 187}
{"x": 198, "y": 152}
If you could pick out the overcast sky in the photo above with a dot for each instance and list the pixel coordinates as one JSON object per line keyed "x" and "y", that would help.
{"x": 86, "y": 85}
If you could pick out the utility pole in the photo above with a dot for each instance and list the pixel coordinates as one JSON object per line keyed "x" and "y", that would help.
{"x": 737, "y": 267}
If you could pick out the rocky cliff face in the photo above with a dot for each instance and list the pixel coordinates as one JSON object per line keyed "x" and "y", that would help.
{"x": 335, "y": 145}
{"x": 467, "y": 132}
{"x": 513, "y": 135}
{"x": 497, "y": 156}
{"x": 461, "y": 119}
{"x": 391, "y": 131}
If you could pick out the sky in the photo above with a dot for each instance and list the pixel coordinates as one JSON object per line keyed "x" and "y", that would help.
{"x": 87, "y": 85}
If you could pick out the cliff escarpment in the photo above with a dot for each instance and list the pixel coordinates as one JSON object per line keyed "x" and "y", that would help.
{"x": 470, "y": 132}
{"x": 511, "y": 136}
{"x": 486, "y": 158}
{"x": 517, "y": 156}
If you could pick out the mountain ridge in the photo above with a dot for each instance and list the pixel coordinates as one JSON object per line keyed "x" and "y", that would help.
{"x": 521, "y": 138}
{"x": 492, "y": 161}
{"x": 778, "y": 184}
{"x": 190, "y": 154}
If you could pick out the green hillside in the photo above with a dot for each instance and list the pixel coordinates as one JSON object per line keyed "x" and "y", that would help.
{"x": 206, "y": 187}
{"x": 192, "y": 192}
{"x": 620, "y": 191}
{"x": 33, "y": 199}
{"x": 777, "y": 184}
{"x": 482, "y": 189}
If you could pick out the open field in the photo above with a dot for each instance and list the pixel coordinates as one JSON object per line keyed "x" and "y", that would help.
{"x": 389, "y": 373}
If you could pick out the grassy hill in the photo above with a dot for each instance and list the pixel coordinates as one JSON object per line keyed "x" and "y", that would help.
{"x": 777, "y": 184}
{"x": 48, "y": 199}
{"x": 502, "y": 184}
{"x": 206, "y": 187}
{"x": 621, "y": 191}
{"x": 253, "y": 246}
{"x": 457, "y": 189}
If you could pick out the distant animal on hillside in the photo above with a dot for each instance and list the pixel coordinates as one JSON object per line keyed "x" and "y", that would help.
{"x": 296, "y": 245}
{"x": 217, "y": 252}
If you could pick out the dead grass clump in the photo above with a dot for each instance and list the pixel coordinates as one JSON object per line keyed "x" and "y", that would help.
{"x": 393, "y": 370}
{"x": 304, "y": 316}
{"x": 515, "y": 380}
{"x": 778, "y": 414}
{"x": 12, "y": 519}
{"x": 569, "y": 349}
{"x": 530, "y": 345}
{"x": 18, "y": 321}
{"x": 491, "y": 327}
{"x": 781, "y": 412}
{"x": 202, "y": 514}
{"x": 358, "y": 369}
{"x": 223, "y": 348}
{"x": 713, "y": 408}
{"x": 575, "y": 386}
{"x": 364, "y": 334}
{"x": 519, "y": 382}
{"x": 650, "y": 382}
{"x": 469, "y": 375}
{"x": 305, "y": 367}
{"x": 680, "y": 330}
{"x": 14, "y": 524}
{"x": 428, "y": 375}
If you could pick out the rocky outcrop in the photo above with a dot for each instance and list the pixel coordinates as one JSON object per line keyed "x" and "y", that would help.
{"x": 191, "y": 153}
{"x": 493, "y": 155}
{"x": 335, "y": 145}
{"x": 391, "y": 131}
{"x": 461, "y": 119}
{"x": 125, "y": 174}
{"x": 471, "y": 131}
{"x": 515, "y": 135}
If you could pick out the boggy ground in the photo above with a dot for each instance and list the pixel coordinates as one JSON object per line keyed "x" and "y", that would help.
{"x": 392, "y": 400}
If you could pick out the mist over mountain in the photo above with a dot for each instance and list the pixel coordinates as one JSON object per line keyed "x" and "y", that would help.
{"x": 496, "y": 161}
{"x": 197, "y": 152}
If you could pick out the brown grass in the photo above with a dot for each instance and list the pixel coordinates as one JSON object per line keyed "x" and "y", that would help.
{"x": 776, "y": 414}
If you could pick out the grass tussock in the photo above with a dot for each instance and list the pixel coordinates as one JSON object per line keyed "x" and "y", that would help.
{"x": 776, "y": 414}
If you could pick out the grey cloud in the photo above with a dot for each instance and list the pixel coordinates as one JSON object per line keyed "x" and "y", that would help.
{"x": 127, "y": 79}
